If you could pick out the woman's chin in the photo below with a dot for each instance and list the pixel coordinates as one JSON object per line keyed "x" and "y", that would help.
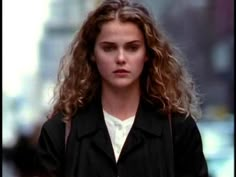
{"x": 124, "y": 84}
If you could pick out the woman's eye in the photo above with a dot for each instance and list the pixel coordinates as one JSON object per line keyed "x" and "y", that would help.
{"x": 132, "y": 48}
{"x": 108, "y": 48}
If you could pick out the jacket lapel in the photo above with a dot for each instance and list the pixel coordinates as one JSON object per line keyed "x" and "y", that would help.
{"x": 133, "y": 141}
{"x": 91, "y": 121}
{"x": 147, "y": 122}
{"x": 102, "y": 141}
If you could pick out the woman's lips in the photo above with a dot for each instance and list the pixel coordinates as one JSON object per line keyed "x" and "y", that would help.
{"x": 121, "y": 72}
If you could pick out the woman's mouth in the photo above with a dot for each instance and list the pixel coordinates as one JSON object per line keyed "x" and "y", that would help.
{"x": 121, "y": 72}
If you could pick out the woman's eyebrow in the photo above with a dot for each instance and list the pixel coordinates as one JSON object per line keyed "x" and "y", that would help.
{"x": 107, "y": 43}
{"x": 134, "y": 41}
{"x": 113, "y": 43}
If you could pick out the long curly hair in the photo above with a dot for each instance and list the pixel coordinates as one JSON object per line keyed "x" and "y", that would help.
{"x": 165, "y": 80}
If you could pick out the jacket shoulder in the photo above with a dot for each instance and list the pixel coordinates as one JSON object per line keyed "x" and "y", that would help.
{"x": 181, "y": 122}
{"x": 54, "y": 122}
{"x": 185, "y": 131}
{"x": 188, "y": 148}
{"x": 54, "y": 128}
{"x": 53, "y": 131}
{"x": 51, "y": 147}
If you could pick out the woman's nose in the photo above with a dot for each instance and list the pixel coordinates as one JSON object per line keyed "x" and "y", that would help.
{"x": 120, "y": 59}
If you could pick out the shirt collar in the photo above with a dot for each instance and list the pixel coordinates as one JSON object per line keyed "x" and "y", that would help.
{"x": 90, "y": 118}
{"x": 114, "y": 120}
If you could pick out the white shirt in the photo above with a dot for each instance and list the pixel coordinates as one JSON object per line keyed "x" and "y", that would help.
{"x": 118, "y": 131}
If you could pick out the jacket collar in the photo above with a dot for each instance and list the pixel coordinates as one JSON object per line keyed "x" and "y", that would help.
{"x": 90, "y": 119}
{"x": 148, "y": 118}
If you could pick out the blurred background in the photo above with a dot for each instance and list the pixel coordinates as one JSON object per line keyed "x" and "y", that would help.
{"x": 37, "y": 33}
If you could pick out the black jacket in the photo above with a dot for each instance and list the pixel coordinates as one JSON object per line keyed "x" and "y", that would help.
{"x": 147, "y": 152}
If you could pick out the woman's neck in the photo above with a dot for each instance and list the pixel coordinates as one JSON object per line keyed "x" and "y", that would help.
{"x": 121, "y": 103}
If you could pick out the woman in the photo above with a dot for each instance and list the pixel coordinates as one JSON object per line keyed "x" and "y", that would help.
{"x": 128, "y": 100}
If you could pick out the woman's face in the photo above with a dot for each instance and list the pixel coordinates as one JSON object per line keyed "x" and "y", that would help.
{"x": 120, "y": 54}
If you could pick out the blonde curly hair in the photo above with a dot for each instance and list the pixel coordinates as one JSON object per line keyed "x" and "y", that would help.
{"x": 165, "y": 80}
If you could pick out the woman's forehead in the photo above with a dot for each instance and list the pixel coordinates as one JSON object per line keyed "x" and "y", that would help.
{"x": 116, "y": 29}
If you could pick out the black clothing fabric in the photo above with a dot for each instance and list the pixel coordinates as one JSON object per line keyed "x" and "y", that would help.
{"x": 149, "y": 150}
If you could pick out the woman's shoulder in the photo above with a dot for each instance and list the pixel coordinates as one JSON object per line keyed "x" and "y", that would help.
{"x": 183, "y": 121}
{"x": 185, "y": 130}
{"x": 53, "y": 131}
{"x": 188, "y": 147}
{"x": 55, "y": 123}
